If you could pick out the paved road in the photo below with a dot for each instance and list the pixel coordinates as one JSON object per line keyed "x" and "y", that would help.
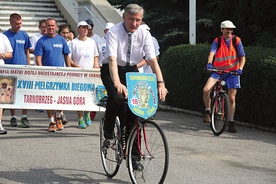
{"x": 35, "y": 156}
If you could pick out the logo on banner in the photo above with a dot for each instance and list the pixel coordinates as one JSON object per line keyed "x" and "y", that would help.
{"x": 100, "y": 93}
{"x": 7, "y": 89}
{"x": 142, "y": 94}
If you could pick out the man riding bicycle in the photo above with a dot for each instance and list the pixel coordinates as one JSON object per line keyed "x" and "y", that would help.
{"x": 226, "y": 57}
{"x": 125, "y": 44}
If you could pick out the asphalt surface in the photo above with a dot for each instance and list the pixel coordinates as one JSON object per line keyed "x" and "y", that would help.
{"x": 71, "y": 156}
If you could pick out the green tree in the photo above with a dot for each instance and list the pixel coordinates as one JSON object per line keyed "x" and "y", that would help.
{"x": 168, "y": 20}
{"x": 253, "y": 19}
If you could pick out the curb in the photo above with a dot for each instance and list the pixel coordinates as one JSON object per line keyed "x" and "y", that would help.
{"x": 175, "y": 109}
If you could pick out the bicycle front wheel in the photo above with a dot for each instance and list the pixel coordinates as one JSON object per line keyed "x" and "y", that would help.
{"x": 111, "y": 151}
{"x": 150, "y": 149}
{"x": 220, "y": 113}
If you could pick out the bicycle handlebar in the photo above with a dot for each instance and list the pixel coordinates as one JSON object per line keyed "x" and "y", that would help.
{"x": 222, "y": 71}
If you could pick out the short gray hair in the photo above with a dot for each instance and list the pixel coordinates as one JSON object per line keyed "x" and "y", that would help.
{"x": 133, "y": 9}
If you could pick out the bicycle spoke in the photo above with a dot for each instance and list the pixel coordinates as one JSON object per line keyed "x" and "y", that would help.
{"x": 111, "y": 153}
{"x": 220, "y": 113}
{"x": 153, "y": 157}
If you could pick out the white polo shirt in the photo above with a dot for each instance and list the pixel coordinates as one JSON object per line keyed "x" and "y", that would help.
{"x": 34, "y": 40}
{"x": 5, "y": 46}
{"x": 117, "y": 45}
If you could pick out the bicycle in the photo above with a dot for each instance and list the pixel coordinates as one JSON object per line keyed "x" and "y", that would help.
{"x": 220, "y": 105}
{"x": 145, "y": 138}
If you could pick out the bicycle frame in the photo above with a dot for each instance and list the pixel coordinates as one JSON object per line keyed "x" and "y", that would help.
{"x": 218, "y": 88}
{"x": 220, "y": 105}
{"x": 136, "y": 127}
{"x": 146, "y": 144}
{"x": 220, "y": 84}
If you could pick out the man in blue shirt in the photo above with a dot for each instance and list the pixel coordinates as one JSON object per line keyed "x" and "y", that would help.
{"x": 52, "y": 50}
{"x": 21, "y": 44}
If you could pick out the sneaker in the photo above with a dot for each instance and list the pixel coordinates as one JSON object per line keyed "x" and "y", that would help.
{"x": 231, "y": 127}
{"x": 3, "y": 131}
{"x": 25, "y": 123}
{"x": 13, "y": 122}
{"x": 52, "y": 127}
{"x": 136, "y": 165}
{"x": 82, "y": 124}
{"x": 59, "y": 124}
{"x": 206, "y": 117}
{"x": 87, "y": 119}
{"x": 63, "y": 119}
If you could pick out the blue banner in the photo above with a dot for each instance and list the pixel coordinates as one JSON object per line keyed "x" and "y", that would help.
{"x": 142, "y": 94}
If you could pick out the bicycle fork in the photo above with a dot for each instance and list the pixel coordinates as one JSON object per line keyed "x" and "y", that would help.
{"x": 219, "y": 104}
{"x": 143, "y": 129}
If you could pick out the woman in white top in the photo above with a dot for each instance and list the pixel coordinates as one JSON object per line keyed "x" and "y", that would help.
{"x": 84, "y": 54}
{"x": 5, "y": 53}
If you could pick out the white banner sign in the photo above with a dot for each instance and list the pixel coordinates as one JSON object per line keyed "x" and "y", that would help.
{"x": 49, "y": 88}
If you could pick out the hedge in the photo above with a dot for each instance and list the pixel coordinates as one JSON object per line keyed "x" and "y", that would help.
{"x": 183, "y": 70}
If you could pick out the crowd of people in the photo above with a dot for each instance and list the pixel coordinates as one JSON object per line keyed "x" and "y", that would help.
{"x": 126, "y": 47}
{"x": 86, "y": 50}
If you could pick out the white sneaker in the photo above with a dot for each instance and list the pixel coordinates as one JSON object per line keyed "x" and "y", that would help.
{"x": 2, "y": 130}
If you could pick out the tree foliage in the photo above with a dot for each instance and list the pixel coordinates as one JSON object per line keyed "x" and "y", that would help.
{"x": 252, "y": 18}
{"x": 169, "y": 20}
{"x": 166, "y": 19}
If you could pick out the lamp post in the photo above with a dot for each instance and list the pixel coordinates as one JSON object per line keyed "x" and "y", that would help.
{"x": 192, "y": 22}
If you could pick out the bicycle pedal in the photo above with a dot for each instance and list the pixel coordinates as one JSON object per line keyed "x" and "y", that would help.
{"x": 107, "y": 143}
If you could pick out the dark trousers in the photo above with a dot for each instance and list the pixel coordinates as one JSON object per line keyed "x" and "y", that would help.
{"x": 116, "y": 103}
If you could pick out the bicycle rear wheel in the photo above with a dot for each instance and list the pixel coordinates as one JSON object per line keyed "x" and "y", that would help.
{"x": 153, "y": 154}
{"x": 220, "y": 113}
{"x": 111, "y": 150}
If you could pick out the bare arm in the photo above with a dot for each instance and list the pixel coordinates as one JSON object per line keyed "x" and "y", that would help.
{"x": 31, "y": 50}
{"x": 67, "y": 60}
{"x": 74, "y": 64}
{"x": 96, "y": 62}
{"x": 142, "y": 63}
{"x": 38, "y": 60}
{"x": 211, "y": 57}
{"x": 6, "y": 55}
{"x": 27, "y": 51}
{"x": 162, "y": 91}
{"x": 242, "y": 62}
